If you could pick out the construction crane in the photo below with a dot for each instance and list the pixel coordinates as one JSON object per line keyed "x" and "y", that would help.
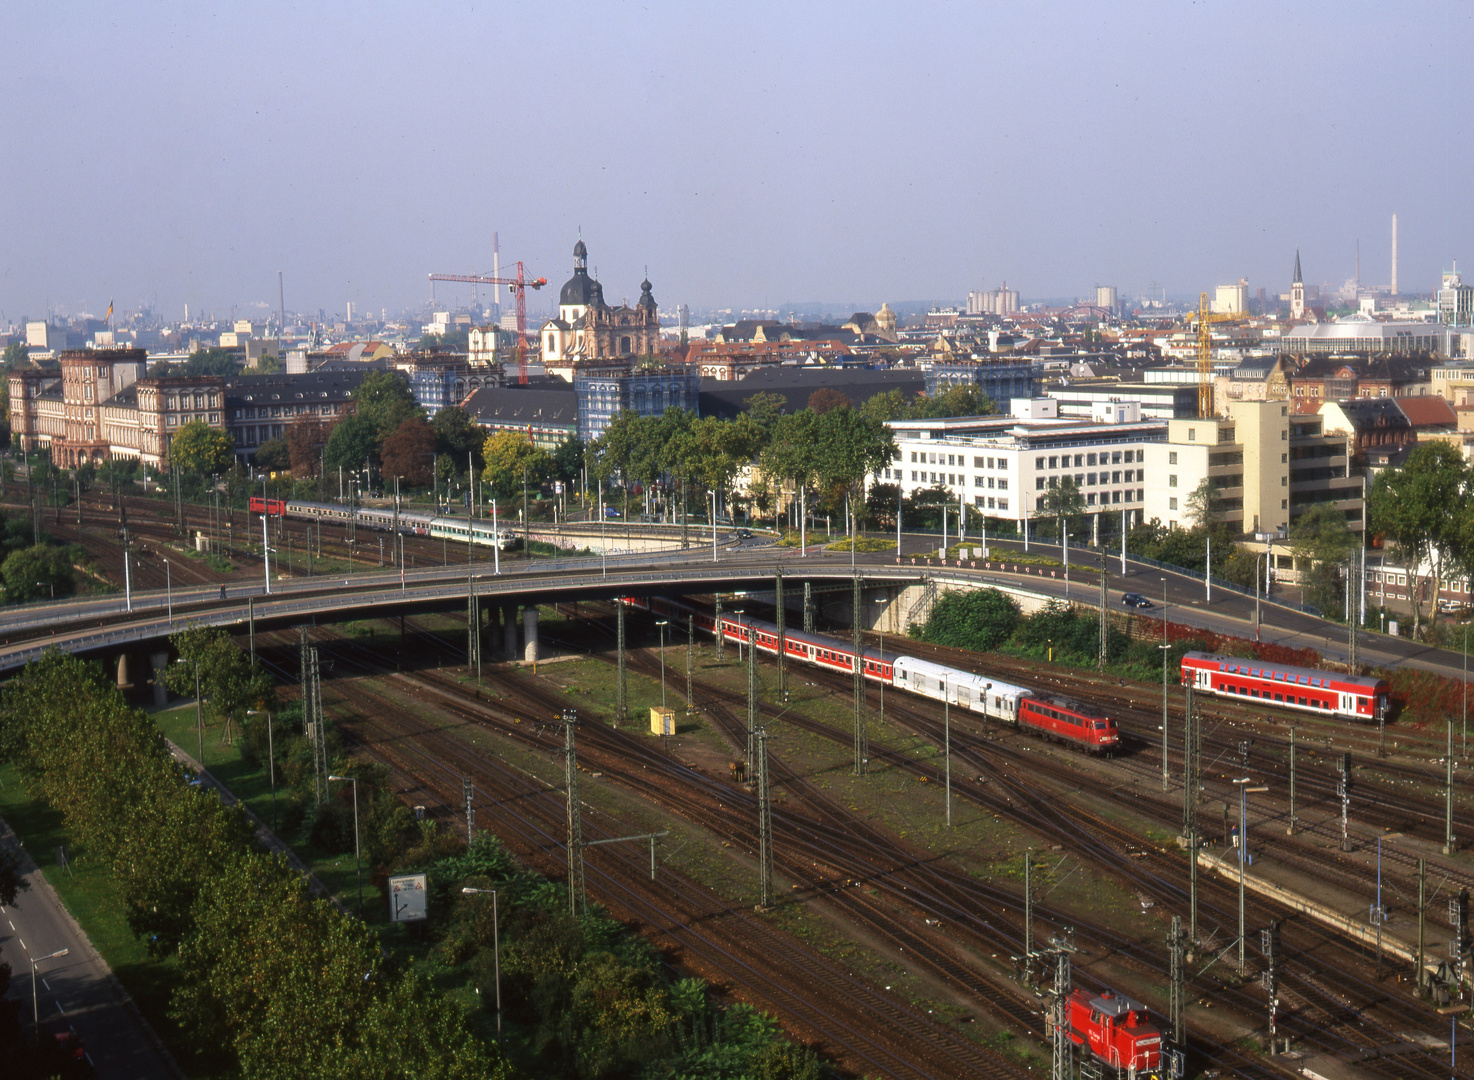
{"x": 519, "y": 285}
{"x": 1205, "y": 353}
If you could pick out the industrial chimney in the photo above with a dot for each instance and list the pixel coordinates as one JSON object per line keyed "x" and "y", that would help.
{"x": 1394, "y": 254}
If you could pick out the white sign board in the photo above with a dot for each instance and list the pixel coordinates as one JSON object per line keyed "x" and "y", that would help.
{"x": 407, "y": 898}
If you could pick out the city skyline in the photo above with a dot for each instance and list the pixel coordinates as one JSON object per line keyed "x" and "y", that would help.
{"x": 747, "y": 155}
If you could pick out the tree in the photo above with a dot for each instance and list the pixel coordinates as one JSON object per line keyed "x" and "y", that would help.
{"x": 1320, "y": 538}
{"x": 1202, "y": 504}
{"x": 384, "y": 399}
{"x": 1063, "y": 502}
{"x": 210, "y": 362}
{"x": 201, "y": 450}
{"x": 890, "y": 405}
{"x": 410, "y": 452}
{"x": 964, "y": 400}
{"x": 34, "y": 571}
{"x": 306, "y": 440}
{"x": 274, "y": 455}
{"x": 568, "y": 459}
{"x": 826, "y": 398}
{"x": 352, "y": 445}
{"x": 981, "y": 619}
{"x": 226, "y": 679}
{"x": 764, "y": 409}
{"x": 511, "y": 461}
{"x": 457, "y": 435}
{"x": 1424, "y": 508}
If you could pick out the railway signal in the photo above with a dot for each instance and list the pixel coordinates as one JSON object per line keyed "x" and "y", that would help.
{"x": 576, "y": 898}
{"x": 1269, "y": 943}
{"x": 1343, "y": 790}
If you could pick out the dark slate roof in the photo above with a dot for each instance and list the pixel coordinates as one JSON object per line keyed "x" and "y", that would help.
{"x": 725, "y": 399}
{"x": 505, "y": 406}
{"x": 1374, "y": 412}
{"x": 341, "y": 364}
{"x": 318, "y": 385}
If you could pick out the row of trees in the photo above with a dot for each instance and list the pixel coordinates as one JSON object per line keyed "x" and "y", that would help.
{"x": 283, "y": 980}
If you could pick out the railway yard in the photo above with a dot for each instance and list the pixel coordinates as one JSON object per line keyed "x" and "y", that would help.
{"x": 897, "y": 944}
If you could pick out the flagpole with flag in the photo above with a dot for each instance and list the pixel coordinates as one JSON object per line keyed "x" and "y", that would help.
{"x": 108, "y": 318}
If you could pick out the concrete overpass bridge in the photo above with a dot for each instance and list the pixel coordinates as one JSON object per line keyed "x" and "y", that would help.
{"x": 110, "y": 627}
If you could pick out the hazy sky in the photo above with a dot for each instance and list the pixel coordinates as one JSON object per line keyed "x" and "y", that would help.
{"x": 751, "y": 154}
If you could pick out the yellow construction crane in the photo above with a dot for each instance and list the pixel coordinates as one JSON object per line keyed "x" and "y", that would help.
{"x": 1205, "y": 353}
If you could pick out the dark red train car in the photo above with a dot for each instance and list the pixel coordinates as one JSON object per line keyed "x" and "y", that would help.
{"x": 1329, "y": 693}
{"x": 276, "y": 507}
{"x": 1069, "y": 721}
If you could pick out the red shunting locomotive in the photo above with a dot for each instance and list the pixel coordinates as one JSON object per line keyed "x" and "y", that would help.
{"x": 1116, "y": 1030}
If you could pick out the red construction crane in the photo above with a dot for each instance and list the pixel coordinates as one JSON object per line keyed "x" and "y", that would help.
{"x": 519, "y": 285}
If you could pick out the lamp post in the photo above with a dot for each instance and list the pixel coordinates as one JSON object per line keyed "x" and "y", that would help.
{"x": 52, "y": 584}
{"x": 1244, "y": 790}
{"x": 947, "y": 739}
{"x": 35, "y": 998}
{"x": 357, "y": 864}
{"x": 199, "y": 712}
{"x": 496, "y": 951}
{"x": 270, "y": 760}
{"x": 169, "y": 592}
{"x": 713, "y": 500}
{"x": 1164, "y": 647}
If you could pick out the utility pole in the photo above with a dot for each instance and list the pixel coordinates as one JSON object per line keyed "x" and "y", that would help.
{"x": 621, "y": 705}
{"x": 1269, "y": 942}
{"x": 1029, "y": 917}
{"x": 721, "y": 636}
{"x": 1458, "y": 914}
{"x": 1448, "y": 793}
{"x": 1058, "y": 1018}
{"x": 764, "y": 823}
{"x": 808, "y": 607}
{"x": 575, "y": 824}
{"x": 1104, "y": 606}
{"x": 690, "y": 664}
{"x": 468, "y": 793}
{"x": 782, "y": 634}
{"x": 1177, "y": 1001}
{"x": 1290, "y": 829}
{"x": 1418, "y": 972}
{"x": 751, "y": 695}
{"x": 862, "y": 741}
{"x": 1190, "y": 785}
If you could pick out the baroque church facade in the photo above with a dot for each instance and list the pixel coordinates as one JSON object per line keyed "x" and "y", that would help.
{"x": 589, "y": 329}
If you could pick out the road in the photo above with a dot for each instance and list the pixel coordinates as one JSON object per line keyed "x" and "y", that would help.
{"x": 76, "y": 990}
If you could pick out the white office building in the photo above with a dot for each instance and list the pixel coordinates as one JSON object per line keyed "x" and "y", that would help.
{"x": 1003, "y": 465}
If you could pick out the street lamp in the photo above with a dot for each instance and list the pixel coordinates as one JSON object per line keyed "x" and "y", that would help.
{"x": 496, "y": 951}
{"x": 169, "y": 592}
{"x": 270, "y": 760}
{"x": 1244, "y": 790}
{"x": 662, "y": 623}
{"x": 50, "y": 583}
{"x": 199, "y": 712}
{"x": 713, "y": 500}
{"x": 1164, "y": 647}
{"x": 357, "y": 864}
{"x": 35, "y": 999}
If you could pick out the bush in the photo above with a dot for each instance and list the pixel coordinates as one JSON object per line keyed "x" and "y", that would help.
{"x": 982, "y": 619}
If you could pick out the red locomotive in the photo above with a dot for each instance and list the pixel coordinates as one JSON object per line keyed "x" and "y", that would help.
{"x": 276, "y": 507}
{"x": 1328, "y": 693}
{"x": 1116, "y": 1030}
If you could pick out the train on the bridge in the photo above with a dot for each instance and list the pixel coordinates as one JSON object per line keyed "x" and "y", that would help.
{"x": 1052, "y": 717}
{"x": 1326, "y": 693}
{"x": 412, "y": 523}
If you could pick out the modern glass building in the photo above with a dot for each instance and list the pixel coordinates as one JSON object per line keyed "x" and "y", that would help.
{"x": 1002, "y": 380}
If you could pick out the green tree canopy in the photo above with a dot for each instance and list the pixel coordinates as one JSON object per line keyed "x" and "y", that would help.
{"x": 274, "y": 455}
{"x": 210, "y": 362}
{"x": 353, "y": 444}
{"x": 1424, "y": 508}
{"x": 228, "y": 683}
{"x": 34, "y": 572}
{"x": 510, "y": 459}
{"x": 457, "y": 435}
{"x": 201, "y": 450}
{"x": 966, "y": 400}
{"x": 384, "y": 399}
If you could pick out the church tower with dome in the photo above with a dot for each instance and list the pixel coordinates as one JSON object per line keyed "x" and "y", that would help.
{"x": 589, "y": 329}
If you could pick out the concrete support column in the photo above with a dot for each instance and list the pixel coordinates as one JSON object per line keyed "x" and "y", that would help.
{"x": 123, "y": 683}
{"x": 493, "y": 632}
{"x": 529, "y": 633}
{"x": 160, "y": 662}
{"x": 509, "y": 631}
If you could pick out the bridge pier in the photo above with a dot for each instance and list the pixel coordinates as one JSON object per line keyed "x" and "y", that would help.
{"x": 529, "y": 633}
{"x": 509, "y": 631}
{"x": 159, "y": 662}
{"x": 123, "y": 681}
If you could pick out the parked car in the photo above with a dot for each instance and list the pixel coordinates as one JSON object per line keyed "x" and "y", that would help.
{"x": 1135, "y": 599}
